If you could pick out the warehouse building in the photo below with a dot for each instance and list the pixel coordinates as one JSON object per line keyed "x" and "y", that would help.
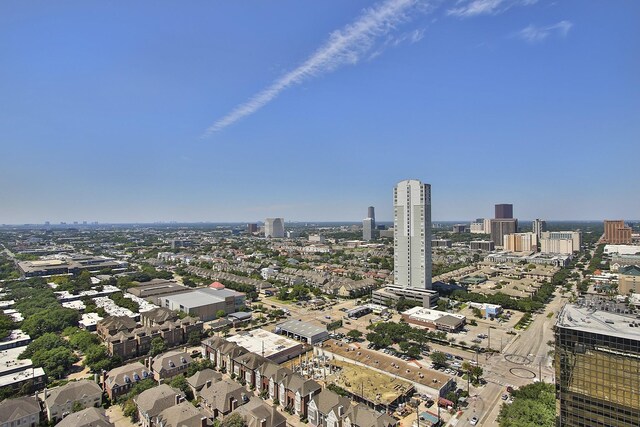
{"x": 303, "y": 331}
{"x": 205, "y": 303}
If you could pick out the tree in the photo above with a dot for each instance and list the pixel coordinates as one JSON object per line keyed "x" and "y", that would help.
{"x": 234, "y": 420}
{"x": 55, "y": 362}
{"x": 6, "y": 325}
{"x": 157, "y": 346}
{"x": 194, "y": 338}
{"x": 439, "y": 359}
{"x": 45, "y": 342}
{"x": 220, "y": 314}
{"x": 97, "y": 359}
{"x": 130, "y": 410}
{"x": 533, "y": 406}
{"x": 83, "y": 340}
{"x": 77, "y": 406}
{"x": 355, "y": 334}
{"x": 180, "y": 382}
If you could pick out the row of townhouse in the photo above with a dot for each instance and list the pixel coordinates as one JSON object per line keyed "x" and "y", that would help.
{"x": 84, "y": 396}
{"x": 328, "y": 409}
{"x": 165, "y": 406}
{"x": 126, "y": 339}
{"x": 290, "y": 390}
{"x": 119, "y": 381}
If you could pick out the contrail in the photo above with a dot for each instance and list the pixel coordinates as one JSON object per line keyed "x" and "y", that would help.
{"x": 346, "y": 46}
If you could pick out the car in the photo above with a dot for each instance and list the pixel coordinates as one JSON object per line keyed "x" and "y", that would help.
{"x": 327, "y": 317}
{"x": 459, "y": 357}
{"x": 473, "y": 421}
{"x": 505, "y": 397}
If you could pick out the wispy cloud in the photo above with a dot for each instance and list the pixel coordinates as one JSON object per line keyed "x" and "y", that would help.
{"x": 344, "y": 47}
{"x": 469, "y": 8}
{"x": 534, "y": 34}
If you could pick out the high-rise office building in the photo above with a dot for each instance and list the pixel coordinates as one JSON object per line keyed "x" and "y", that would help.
{"x": 597, "y": 360}
{"x": 367, "y": 229}
{"x": 369, "y": 225}
{"x": 538, "y": 226}
{"x": 252, "y": 228}
{"x": 412, "y": 234}
{"x": 500, "y": 227}
{"x": 274, "y": 228}
{"x": 504, "y": 211}
{"x": 616, "y": 233}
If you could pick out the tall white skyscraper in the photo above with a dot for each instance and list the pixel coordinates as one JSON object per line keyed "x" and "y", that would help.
{"x": 369, "y": 225}
{"x": 274, "y": 227}
{"x": 412, "y": 234}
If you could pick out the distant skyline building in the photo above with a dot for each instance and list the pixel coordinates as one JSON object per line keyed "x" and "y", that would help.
{"x": 480, "y": 226}
{"x": 369, "y": 225}
{"x": 504, "y": 211}
{"x": 616, "y": 232}
{"x": 597, "y": 360}
{"x": 274, "y": 228}
{"x": 412, "y": 234}
{"x": 252, "y": 228}
{"x": 538, "y": 226}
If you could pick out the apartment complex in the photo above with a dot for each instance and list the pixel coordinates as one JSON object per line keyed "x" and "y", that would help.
{"x": 560, "y": 242}
{"x": 412, "y": 234}
{"x": 597, "y": 360}
{"x": 615, "y": 232}
{"x": 520, "y": 242}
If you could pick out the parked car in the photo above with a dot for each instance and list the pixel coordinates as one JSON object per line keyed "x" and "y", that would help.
{"x": 473, "y": 421}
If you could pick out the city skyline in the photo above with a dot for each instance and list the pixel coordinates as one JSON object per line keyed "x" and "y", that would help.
{"x": 105, "y": 109}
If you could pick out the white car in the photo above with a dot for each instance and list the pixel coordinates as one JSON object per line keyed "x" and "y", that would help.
{"x": 473, "y": 421}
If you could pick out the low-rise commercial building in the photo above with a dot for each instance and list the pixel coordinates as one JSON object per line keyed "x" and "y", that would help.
{"x": 434, "y": 319}
{"x": 205, "y": 303}
{"x": 302, "y": 331}
{"x": 629, "y": 280}
{"x": 389, "y": 295}
{"x": 272, "y": 346}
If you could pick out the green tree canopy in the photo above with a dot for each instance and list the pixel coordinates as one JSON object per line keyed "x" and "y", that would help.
{"x": 533, "y": 406}
{"x": 157, "y": 346}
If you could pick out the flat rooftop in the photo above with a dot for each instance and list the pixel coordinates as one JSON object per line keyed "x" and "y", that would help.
{"x": 9, "y": 360}
{"x": 301, "y": 328}
{"x": 599, "y": 316}
{"x": 257, "y": 339}
{"x": 201, "y": 297}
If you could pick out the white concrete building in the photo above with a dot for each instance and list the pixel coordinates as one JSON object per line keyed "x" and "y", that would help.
{"x": 412, "y": 234}
{"x": 274, "y": 228}
{"x": 560, "y": 242}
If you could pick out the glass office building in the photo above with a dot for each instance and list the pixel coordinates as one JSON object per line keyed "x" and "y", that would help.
{"x": 597, "y": 363}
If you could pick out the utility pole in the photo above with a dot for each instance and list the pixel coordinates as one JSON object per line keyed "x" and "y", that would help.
{"x": 489, "y": 338}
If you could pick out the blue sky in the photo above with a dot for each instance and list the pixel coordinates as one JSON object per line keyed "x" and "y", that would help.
{"x": 115, "y": 114}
